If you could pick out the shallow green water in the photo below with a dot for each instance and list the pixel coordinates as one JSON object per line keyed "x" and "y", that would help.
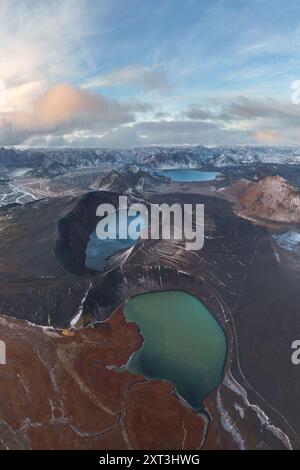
{"x": 183, "y": 343}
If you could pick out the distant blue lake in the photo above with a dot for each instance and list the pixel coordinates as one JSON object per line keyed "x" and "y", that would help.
{"x": 98, "y": 250}
{"x": 189, "y": 176}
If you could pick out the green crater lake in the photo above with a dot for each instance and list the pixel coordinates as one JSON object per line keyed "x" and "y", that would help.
{"x": 183, "y": 343}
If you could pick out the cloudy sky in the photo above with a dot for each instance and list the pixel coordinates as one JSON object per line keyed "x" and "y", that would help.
{"x": 116, "y": 73}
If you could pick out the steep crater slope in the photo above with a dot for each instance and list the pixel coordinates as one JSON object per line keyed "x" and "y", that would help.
{"x": 153, "y": 265}
{"x": 76, "y": 227}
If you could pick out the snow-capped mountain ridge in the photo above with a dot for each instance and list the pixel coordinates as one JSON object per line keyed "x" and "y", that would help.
{"x": 54, "y": 162}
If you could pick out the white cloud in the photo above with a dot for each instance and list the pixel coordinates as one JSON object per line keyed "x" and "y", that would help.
{"x": 150, "y": 78}
{"x": 43, "y": 43}
{"x": 39, "y": 38}
{"x": 63, "y": 108}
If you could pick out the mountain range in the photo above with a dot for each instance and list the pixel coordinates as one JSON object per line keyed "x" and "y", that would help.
{"x": 54, "y": 162}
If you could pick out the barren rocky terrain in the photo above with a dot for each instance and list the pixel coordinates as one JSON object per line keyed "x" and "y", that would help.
{"x": 65, "y": 386}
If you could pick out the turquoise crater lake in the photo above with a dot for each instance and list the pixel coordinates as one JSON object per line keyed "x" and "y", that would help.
{"x": 183, "y": 343}
{"x": 99, "y": 250}
{"x": 189, "y": 175}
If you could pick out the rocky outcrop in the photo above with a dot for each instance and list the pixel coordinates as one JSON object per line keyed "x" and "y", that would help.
{"x": 224, "y": 160}
{"x": 272, "y": 198}
{"x": 129, "y": 179}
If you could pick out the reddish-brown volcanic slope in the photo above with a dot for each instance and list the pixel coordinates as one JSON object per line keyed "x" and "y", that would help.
{"x": 59, "y": 391}
{"x": 271, "y": 198}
